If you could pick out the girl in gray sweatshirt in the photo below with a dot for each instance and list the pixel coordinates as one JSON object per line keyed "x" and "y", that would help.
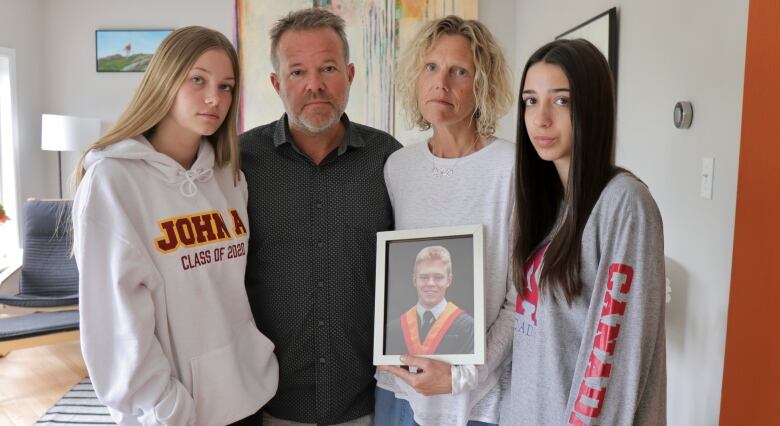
{"x": 589, "y": 343}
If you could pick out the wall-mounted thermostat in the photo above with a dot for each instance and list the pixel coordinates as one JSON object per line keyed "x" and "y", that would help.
{"x": 683, "y": 114}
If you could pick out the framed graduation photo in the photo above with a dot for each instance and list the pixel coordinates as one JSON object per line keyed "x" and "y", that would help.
{"x": 430, "y": 295}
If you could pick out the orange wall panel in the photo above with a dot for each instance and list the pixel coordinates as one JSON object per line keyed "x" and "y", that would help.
{"x": 751, "y": 377}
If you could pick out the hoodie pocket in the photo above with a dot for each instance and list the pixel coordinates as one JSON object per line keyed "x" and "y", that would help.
{"x": 234, "y": 381}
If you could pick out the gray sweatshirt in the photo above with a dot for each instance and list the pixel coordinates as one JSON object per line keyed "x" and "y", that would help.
{"x": 602, "y": 360}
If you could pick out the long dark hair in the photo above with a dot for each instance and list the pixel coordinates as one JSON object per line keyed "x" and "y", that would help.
{"x": 540, "y": 194}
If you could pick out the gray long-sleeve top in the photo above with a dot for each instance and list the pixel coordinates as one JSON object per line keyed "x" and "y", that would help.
{"x": 601, "y": 360}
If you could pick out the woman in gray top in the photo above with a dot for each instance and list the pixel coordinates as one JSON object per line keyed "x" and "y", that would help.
{"x": 455, "y": 81}
{"x": 589, "y": 345}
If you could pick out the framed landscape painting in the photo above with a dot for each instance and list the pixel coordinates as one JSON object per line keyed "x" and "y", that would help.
{"x": 126, "y": 50}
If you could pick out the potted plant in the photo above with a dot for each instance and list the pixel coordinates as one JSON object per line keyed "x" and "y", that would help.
{"x": 3, "y": 217}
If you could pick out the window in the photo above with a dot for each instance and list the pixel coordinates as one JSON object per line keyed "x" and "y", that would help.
{"x": 9, "y": 231}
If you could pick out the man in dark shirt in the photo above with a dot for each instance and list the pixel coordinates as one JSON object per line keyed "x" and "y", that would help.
{"x": 316, "y": 200}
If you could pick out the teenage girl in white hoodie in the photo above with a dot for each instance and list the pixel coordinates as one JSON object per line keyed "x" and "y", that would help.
{"x": 160, "y": 235}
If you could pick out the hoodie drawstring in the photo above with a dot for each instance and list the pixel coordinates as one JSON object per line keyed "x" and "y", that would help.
{"x": 188, "y": 187}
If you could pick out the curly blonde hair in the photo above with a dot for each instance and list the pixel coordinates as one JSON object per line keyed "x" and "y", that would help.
{"x": 492, "y": 81}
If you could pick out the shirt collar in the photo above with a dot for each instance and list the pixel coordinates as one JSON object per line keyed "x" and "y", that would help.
{"x": 437, "y": 310}
{"x": 351, "y": 137}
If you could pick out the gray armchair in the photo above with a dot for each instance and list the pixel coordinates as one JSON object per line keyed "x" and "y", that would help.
{"x": 45, "y": 309}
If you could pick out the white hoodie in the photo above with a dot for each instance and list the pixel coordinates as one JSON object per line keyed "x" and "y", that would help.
{"x": 166, "y": 329}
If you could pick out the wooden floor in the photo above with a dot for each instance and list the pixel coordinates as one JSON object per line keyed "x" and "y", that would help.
{"x": 32, "y": 380}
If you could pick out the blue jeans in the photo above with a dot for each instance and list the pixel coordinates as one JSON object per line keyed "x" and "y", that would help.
{"x": 392, "y": 411}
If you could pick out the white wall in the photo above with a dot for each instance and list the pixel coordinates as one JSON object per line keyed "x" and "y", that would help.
{"x": 672, "y": 50}
{"x": 55, "y": 52}
{"x": 499, "y": 17}
{"x": 71, "y": 86}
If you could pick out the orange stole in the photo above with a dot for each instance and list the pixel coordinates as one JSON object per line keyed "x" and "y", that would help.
{"x": 411, "y": 330}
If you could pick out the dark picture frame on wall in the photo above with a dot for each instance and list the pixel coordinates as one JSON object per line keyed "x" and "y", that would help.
{"x": 126, "y": 50}
{"x": 601, "y": 30}
{"x": 430, "y": 295}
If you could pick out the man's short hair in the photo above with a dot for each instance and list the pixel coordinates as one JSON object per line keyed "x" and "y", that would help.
{"x": 431, "y": 253}
{"x": 307, "y": 19}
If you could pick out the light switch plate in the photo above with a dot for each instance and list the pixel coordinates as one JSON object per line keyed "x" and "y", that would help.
{"x": 707, "y": 177}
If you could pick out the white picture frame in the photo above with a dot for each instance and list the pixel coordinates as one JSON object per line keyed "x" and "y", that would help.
{"x": 397, "y": 296}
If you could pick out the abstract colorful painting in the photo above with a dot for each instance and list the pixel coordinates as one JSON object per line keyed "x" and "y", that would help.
{"x": 375, "y": 32}
{"x": 259, "y": 102}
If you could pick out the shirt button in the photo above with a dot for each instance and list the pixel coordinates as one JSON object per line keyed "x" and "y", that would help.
{"x": 321, "y": 323}
{"x": 320, "y": 244}
{"x": 322, "y": 360}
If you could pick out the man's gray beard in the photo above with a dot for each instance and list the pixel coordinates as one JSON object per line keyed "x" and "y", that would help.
{"x": 308, "y": 128}
{"x": 298, "y": 122}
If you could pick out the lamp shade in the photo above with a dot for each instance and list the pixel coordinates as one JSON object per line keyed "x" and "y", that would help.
{"x": 67, "y": 133}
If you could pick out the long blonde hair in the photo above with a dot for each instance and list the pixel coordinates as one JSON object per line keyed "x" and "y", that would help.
{"x": 157, "y": 91}
{"x": 492, "y": 80}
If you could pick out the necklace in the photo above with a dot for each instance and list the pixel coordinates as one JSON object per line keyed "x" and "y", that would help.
{"x": 442, "y": 172}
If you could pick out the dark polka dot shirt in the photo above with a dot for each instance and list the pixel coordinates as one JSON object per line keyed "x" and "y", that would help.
{"x": 310, "y": 271}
